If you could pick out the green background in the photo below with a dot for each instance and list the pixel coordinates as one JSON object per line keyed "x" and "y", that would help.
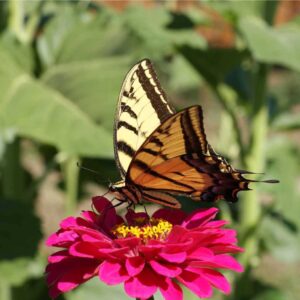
{"x": 62, "y": 66}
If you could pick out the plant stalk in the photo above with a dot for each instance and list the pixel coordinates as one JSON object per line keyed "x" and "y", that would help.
{"x": 5, "y": 290}
{"x": 250, "y": 208}
{"x": 71, "y": 174}
{"x": 228, "y": 99}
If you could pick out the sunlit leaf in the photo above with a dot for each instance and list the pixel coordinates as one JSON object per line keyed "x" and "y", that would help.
{"x": 81, "y": 36}
{"x": 272, "y": 45}
{"x": 94, "y": 86}
{"x": 56, "y": 29}
{"x": 34, "y": 110}
{"x": 21, "y": 54}
{"x": 9, "y": 71}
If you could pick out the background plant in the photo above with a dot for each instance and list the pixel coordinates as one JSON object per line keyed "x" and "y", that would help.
{"x": 62, "y": 64}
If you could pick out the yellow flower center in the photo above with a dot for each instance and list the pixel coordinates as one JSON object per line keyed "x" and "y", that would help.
{"x": 154, "y": 229}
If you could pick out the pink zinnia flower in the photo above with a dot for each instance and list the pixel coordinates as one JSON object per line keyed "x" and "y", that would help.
{"x": 145, "y": 254}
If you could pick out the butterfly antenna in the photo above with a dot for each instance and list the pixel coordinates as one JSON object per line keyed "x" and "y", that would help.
{"x": 264, "y": 181}
{"x": 255, "y": 173}
{"x": 248, "y": 172}
{"x": 94, "y": 172}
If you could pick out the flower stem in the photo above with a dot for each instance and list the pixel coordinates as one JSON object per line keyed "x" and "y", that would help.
{"x": 250, "y": 212}
{"x": 71, "y": 173}
{"x": 228, "y": 99}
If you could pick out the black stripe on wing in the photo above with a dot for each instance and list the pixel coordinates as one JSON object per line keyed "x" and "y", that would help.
{"x": 127, "y": 126}
{"x": 158, "y": 100}
{"x": 125, "y": 148}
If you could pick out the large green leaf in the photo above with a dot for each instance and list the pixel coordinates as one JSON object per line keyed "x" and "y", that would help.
{"x": 155, "y": 39}
{"x": 94, "y": 86}
{"x": 21, "y": 54}
{"x": 75, "y": 35}
{"x": 32, "y": 109}
{"x": 55, "y": 31}
{"x": 272, "y": 45}
{"x": 87, "y": 41}
{"x": 213, "y": 64}
{"x": 282, "y": 242}
{"x": 9, "y": 71}
{"x": 284, "y": 166}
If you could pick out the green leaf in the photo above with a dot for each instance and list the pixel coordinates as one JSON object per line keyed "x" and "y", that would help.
{"x": 151, "y": 36}
{"x": 272, "y": 294}
{"x": 21, "y": 54}
{"x": 33, "y": 289}
{"x": 279, "y": 240}
{"x": 19, "y": 229}
{"x": 100, "y": 37}
{"x": 9, "y": 71}
{"x": 238, "y": 8}
{"x": 188, "y": 37}
{"x": 37, "y": 111}
{"x": 213, "y": 64}
{"x": 75, "y": 36}
{"x": 284, "y": 164}
{"x": 31, "y": 268}
{"x": 95, "y": 289}
{"x": 272, "y": 45}
{"x": 94, "y": 86}
{"x": 287, "y": 122}
{"x": 49, "y": 42}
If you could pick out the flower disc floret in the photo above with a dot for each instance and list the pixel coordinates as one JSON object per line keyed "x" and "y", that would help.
{"x": 155, "y": 229}
{"x": 146, "y": 254}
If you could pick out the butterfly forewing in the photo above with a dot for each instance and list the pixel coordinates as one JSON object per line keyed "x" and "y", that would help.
{"x": 142, "y": 107}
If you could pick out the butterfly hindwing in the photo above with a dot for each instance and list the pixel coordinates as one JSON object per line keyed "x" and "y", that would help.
{"x": 142, "y": 107}
{"x": 176, "y": 158}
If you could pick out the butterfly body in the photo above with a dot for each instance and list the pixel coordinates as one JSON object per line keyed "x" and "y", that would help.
{"x": 161, "y": 153}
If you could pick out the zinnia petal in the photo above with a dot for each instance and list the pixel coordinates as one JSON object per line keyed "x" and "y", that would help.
{"x": 144, "y": 285}
{"x": 132, "y": 217}
{"x": 69, "y": 273}
{"x": 196, "y": 284}
{"x": 170, "y": 290}
{"x": 177, "y": 257}
{"x": 217, "y": 280}
{"x": 134, "y": 265}
{"x": 165, "y": 269}
{"x": 200, "y": 217}
{"x": 173, "y": 216}
{"x": 112, "y": 272}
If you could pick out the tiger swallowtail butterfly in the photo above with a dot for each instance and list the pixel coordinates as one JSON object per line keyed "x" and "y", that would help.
{"x": 161, "y": 153}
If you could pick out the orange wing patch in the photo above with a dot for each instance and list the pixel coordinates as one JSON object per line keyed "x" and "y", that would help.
{"x": 176, "y": 158}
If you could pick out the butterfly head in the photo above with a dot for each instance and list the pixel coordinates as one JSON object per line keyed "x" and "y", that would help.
{"x": 124, "y": 192}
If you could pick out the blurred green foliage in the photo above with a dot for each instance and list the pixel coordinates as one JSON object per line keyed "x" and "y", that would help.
{"x": 62, "y": 65}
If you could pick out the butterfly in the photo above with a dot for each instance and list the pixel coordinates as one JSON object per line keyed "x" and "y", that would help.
{"x": 161, "y": 153}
